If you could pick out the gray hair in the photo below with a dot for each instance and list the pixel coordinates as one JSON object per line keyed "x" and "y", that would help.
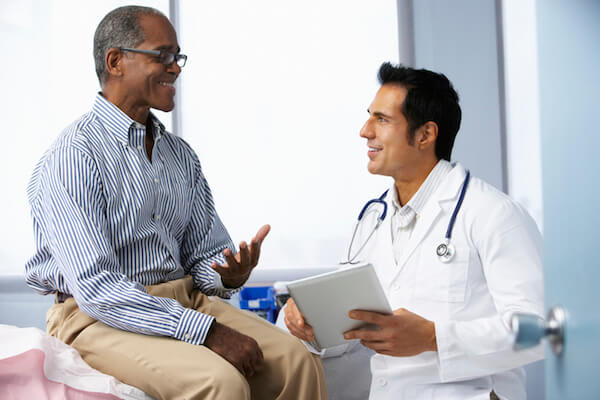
{"x": 119, "y": 28}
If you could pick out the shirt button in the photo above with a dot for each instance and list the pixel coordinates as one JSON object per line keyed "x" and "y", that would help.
{"x": 381, "y": 382}
{"x": 187, "y": 336}
{"x": 155, "y": 180}
{"x": 140, "y": 147}
{"x": 157, "y": 216}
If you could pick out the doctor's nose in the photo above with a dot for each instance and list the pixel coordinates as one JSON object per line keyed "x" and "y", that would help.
{"x": 366, "y": 131}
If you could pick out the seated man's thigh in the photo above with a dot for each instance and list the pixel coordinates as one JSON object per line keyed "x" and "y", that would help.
{"x": 164, "y": 368}
{"x": 289, "y": 369}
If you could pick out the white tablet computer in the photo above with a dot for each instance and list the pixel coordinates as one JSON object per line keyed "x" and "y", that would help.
{"x": 326, "y": 299}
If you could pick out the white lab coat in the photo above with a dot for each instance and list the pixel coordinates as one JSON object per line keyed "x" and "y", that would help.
{"x": 497, "y": 270}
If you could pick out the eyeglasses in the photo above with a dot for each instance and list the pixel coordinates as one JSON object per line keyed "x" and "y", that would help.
{"x": 164, "y": 57}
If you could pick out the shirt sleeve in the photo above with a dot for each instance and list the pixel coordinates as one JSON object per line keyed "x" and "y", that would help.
{"x": 509, "y": 246}
{"x": 70, "y": 210}
{"x": 205, "y": 239}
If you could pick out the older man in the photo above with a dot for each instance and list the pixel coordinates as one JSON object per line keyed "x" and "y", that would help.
{"x": 128, "y": 238}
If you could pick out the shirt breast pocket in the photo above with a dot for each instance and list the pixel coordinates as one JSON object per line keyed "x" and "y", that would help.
{"x": 442, "y": 281}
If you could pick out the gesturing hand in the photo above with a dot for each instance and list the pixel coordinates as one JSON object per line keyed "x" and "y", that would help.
{"x": 238, "y": 267}
{"x": 240, "y": 350}
{"x": 402, "y": 334}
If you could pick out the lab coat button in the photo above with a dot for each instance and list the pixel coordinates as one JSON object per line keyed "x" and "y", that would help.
{"x": 396, "y": 286}
{"x": 381, "y": 382}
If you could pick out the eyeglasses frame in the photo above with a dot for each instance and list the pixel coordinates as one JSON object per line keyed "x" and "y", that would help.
{"x": 158, "y": 53}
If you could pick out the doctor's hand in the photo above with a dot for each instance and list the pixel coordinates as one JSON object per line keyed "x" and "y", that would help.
{"x": 401, "y": 334}
{"x": 294, "y": 320}
{"x": 240, "y": 350}
{"x": 239, "y": 266}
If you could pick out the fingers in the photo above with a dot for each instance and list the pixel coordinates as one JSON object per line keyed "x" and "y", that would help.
{"x": 368, "y": 316}
{"x": 257, "y": 242}
{"x": 244, "y": 254}
{"x": 221, "y": 270}
{"x": 254, "y": 251}
{"x": 364, "y": 334}
{"x": 257, "y": 362}
{"x": 262, "y": 233}
{"x": 377, "y": 346}
{"x": 294, "y": 320}
{"x": 230, "y": 258}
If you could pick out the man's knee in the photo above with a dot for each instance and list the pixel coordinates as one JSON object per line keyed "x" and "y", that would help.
{"x": 226, "y": 383}
{"x": 297, "y": 354}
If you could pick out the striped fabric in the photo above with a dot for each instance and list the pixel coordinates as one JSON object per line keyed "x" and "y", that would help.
{"x": 404, "y": 217}
{"x": 108, "y": 221}
{"x": 405, "y": 214}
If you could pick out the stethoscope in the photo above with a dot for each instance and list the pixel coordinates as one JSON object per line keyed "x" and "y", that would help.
{"x": 445, "y": 250}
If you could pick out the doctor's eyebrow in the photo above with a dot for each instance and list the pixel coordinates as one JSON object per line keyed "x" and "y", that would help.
{"x": 379, "y": 114}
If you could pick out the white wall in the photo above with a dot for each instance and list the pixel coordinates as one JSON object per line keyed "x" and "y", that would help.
{"x": 273, "y": 97}
{"x": 48, "y": 80}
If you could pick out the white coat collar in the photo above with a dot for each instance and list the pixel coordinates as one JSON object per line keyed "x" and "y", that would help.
{"x": 432, "y": 210}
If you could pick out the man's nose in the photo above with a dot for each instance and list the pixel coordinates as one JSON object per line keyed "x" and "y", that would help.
{"x": 174, "y": 68}
{"x": 366, "y": 131}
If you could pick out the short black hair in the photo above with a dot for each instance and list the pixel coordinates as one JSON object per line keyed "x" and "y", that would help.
{"x": 119, "y": 28}
{"x": 430, "y": 97}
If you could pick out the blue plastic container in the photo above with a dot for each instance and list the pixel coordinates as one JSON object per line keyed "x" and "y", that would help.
{"x": 261, "y": 301}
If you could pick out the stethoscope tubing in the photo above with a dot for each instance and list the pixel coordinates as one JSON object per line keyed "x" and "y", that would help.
{"x": 458, "y": 205}
{"x": 380, "y": 200}
{"x": 446, "y": 247}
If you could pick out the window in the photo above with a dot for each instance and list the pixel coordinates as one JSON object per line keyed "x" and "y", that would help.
{"x": 272, "y": 99}
{"x": 48, "y": 80}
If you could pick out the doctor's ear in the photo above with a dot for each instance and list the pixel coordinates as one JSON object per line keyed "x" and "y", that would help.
{"x": 426, "y": 135}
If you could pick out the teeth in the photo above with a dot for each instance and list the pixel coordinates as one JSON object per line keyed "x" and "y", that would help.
{"x": 373, "y": 149}
{"x": 166, "y": 84}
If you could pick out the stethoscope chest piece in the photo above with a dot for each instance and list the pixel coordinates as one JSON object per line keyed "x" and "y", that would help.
{"x": 445, "y": 252}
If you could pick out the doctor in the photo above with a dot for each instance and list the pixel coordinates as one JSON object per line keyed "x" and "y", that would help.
{"x": 449, "y": 335}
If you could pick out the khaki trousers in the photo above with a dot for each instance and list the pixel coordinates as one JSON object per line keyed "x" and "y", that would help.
{"x": 166, "y": 368}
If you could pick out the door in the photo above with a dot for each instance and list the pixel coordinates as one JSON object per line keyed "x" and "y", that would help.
{"x": 569, "y": 70}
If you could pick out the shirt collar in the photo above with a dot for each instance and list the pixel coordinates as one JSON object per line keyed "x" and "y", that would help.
{"x": 121, "y": 125}
{"x": 427, "y": 188}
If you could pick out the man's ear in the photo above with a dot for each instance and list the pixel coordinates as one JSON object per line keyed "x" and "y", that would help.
{"x": 427, "y": 135}
{"x": 114, "y": 64}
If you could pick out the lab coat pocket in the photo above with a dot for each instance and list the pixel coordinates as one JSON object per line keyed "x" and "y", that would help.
{"x": 440, "y": 281}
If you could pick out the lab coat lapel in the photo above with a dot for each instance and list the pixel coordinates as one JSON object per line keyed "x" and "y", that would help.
{"x": 432, "y": 211}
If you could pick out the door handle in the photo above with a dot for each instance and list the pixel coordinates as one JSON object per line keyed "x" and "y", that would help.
{"x": 529, "y": 329}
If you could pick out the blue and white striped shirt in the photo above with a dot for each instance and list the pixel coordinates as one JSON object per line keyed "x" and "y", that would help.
{"x": 108, "y": 221}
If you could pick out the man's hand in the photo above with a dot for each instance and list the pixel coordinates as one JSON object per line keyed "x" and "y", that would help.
{"x": 240, "y": 350}
{"x": 402, "y": 334}
{"x": 237, "y": 270}
{"x": 295, "y": 322}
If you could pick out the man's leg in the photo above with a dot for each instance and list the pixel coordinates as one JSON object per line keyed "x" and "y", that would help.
{"x": 171, "y": 369}
{"x": 162, "y": 367}
{"x": 289, "y": 371}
